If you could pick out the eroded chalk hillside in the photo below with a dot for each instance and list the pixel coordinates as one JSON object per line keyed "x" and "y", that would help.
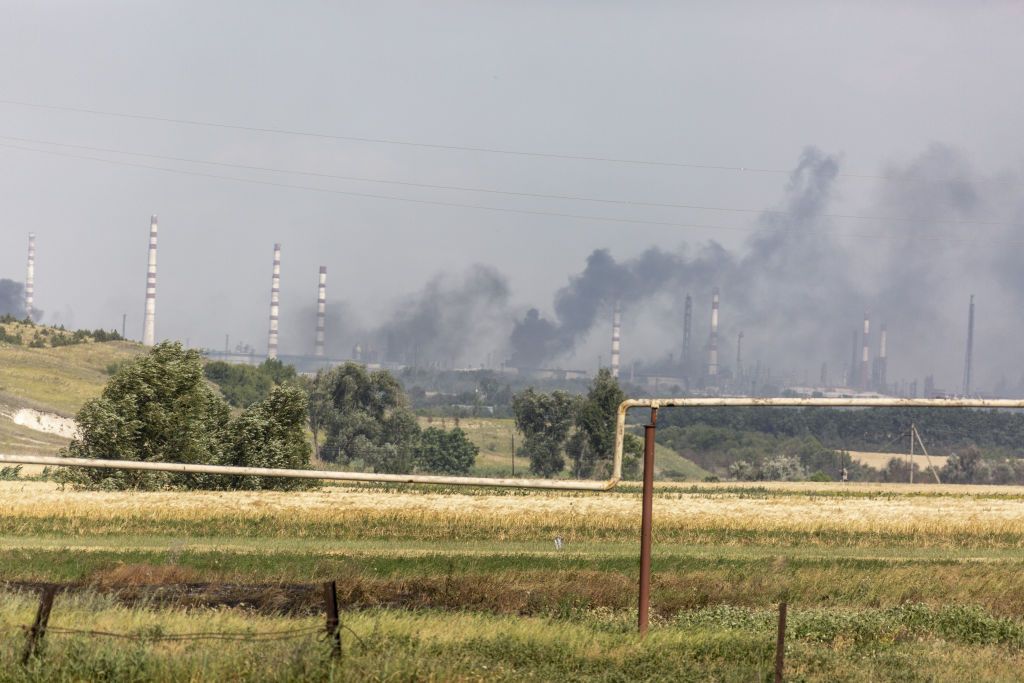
{"x": 44, "y": 382}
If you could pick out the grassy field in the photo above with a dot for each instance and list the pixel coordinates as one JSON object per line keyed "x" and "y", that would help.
{"x": 884, "y": 582}
{"x": 58, "y": 379}
{"x": 53, "y": 380}
{"x": 494, "y": 437}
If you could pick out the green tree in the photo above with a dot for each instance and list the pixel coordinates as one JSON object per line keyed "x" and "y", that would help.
{"x": 155, "y": 408}
{"x": 270, "y": 434}
{"x": 445, "y": 452}
{"x": 592, "y": 446}
{"x": 158, "y": 408}
{"x": 365, "y": 417}
{"x": 243, "y": 385}
{"x": 545, "y": 420}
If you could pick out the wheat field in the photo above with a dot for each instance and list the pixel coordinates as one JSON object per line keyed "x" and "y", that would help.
{"x": 452, "y": 583}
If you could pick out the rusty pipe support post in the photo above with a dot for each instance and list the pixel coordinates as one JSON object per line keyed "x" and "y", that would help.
{"x": 645, "y": 525}
{"x": 780, "y": 644}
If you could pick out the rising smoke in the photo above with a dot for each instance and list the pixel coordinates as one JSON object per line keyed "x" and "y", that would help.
{"x": 803, "y": 279}
{"x": 12, "y": 298}
{"x": 452, "y": 321}
{"x": 797, "y": 288}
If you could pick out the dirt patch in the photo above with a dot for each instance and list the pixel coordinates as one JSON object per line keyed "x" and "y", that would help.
{"x": 141, "y": 575}
{"x": 48, "y": 423}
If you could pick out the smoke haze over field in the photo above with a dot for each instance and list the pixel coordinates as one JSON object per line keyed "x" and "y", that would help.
{"x": 791, "y": 117}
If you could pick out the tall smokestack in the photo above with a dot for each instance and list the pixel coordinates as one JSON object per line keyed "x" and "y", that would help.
{"x": 865, "y": 378}
{"x": 149, "y": 319}
{"x": 616, "y": 329}
{"x": 275, "y": 302}
{"x": 970, "y": 348}
{"x": 713, "y": 340}
{"x": 879, "y": 373}
{"x": 851, "y": 377}
{"x": 687, "y": 329}
{"x": 739, "y": 356}
{"x": 321, "y": 311}
{"x": 30, "y": 277}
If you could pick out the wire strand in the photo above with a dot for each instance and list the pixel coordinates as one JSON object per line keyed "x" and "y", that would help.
{"x": 507, "y": 193}
{"x": 498, "y": 209}
{"x": 423, "y": 145}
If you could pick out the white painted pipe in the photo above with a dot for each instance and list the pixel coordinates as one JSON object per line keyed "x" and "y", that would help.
{"x": 327, "y": 475}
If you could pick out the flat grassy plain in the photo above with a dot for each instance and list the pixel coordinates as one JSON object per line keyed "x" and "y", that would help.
{"x": 884, "y": 582}
{"x": 494, "y": 437}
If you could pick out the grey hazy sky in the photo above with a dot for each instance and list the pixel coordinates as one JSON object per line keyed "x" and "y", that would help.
{"x": 737, "y": 84}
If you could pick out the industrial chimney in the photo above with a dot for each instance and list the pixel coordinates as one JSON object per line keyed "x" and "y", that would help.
{"x": 739, "y": 356}
{"x": 321, "y": 312}
{"x": 865, "y": 378}
{"x": 30, "y": 278}
{"x": 687, "y": 328}
{"x": 149, "y": 318}
{"x": 275, "y": 302}
{"x": 616, "y": 329}
{"x": 713, "y": 339}
{"x": 879, "y": 374}
{"x": 970, "y": 348}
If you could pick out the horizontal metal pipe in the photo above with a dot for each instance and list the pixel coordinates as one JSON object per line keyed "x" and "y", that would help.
{"x": 557, "y": 484}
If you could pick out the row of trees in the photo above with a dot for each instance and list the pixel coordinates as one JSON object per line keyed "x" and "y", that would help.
{"x": 871, "y": 429}
{"x": 159, "y": 407}
{"x": 560, "y": 424}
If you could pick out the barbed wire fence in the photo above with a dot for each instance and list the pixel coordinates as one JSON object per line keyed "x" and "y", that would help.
{"x": 330, "y": 632}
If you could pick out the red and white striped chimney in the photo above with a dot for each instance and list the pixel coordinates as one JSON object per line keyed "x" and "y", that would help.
{"x": 275, "y": 302}
{"x": 149, "y": 318}
{"x": 713, "y": 339}
{"x": 865, "y": 375}
{"x": 321, "y": 312}
{"x": 30, "y": 278}
{"x": 616, "y": 331}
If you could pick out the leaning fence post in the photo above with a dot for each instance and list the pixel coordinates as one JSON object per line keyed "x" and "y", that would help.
{"x": 333, "y": 623}
{"x": 780, "y": 643}
{"x": 38, "y": 630}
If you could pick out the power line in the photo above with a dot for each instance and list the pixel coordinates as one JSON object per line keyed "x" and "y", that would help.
{"x": 422, "y": 145}
{"x": 495, "y": 191}
{"x": 478, "y": 207}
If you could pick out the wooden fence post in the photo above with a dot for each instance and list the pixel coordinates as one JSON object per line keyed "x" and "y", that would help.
{"x": 333, "y": 623}
{"x": 38, "y": 630}
{"x": 780, "y": 643}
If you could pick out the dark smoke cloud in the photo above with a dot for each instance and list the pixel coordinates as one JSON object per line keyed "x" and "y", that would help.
{"x": 12, "y": 298}
{"x": 803, "y": 280}
{"x": 787, "y": 253}
{"x": 451, "y": 321}
{"x": 444, "y": 321}
{"x": 797, "y": 288}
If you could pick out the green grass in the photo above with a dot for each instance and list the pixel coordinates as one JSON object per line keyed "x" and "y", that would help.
{"x": 24, "y": 441}
{"x": 58, "y": 379}
{"x": 910, "y": 642}
{"x": 494, "y": 436}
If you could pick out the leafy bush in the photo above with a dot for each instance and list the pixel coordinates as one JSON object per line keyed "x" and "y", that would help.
{"x": 445, "y": 452}
{"x": 158, "y": 408}
{"x": 243, "y": 385}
